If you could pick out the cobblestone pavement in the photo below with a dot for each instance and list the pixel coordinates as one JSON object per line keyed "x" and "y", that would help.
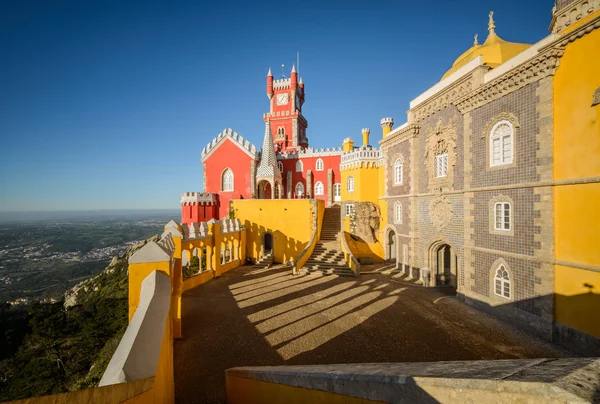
{"x": 257, "y": 317}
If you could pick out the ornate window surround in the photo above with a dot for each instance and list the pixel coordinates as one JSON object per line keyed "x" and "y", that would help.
{"x": 227, "y": 184}
{"x": 398, "y": 164}
{"x": 501, "y": 262}
{"x": 492, "y": 215}
{"x": 319, "y": 188}
{"x": 439, "y": 140}
{"x": 280, "y": 166}
{"x": 299, "y": 166}
{"x": 489, "y": 127}
{"x": 350, "y": 184}
{"x": 398, "y": 213}
{"x": 319, "y": 165}
{"x": 299, "y": 189}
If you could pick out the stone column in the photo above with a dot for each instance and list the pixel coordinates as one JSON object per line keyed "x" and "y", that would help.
{"x": 309, "y": 184}
{"x": 289, "y": 184}
{"x": 329, "y": 187}
{"x": 252, "y": 179}
{"x": 273, "y": 185}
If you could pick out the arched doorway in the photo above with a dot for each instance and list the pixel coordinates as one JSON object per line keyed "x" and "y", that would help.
{"x": 267, "y": 243}
{"x": 443, "y": 264}
{"x": 391, "y": 245}
{"x": 264, "y": 190}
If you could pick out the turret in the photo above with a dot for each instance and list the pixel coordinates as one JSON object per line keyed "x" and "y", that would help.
{"x": 386, "y": 125}
{"x": 347, "y": 145}
{"x": 270, "y": 84}
{"x": 294, "y": 78}
{"x": 365, "y": 136}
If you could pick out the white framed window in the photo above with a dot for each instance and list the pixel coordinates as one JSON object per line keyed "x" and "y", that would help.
{"x": 319, "y": 188}
{"x": 280, "y": 165}
{"x": 227, "y": 180}
{"x": 350, "y": 184}
{"x": 502, "y": 283}
{"x": 501, "y": 144}
{"x": 441, "y": 165}
{"x": 398, "y": 213}
{"x": 337, "y": 192}
{"x": 398, "y": 172}
{"x": 299, "y": 189}
{"x": 349, "y": 209}
{"x": 502, "y": 216}
{"x": 299, "y": 166}
{"x": 281, "y": 131}
{"x": 319, "y": 165}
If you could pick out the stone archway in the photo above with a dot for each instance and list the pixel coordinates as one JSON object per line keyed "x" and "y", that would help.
{"x": 443, "y": 264}
{"x": 390, "y": 244}
{"x": 264, "y": 190}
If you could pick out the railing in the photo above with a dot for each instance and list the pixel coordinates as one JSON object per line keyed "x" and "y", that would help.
{"x": 317, "y": 223}
{"x": 350, "y": 259}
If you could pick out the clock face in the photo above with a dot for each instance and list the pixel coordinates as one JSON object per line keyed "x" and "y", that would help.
{"x": 282, "y": 99}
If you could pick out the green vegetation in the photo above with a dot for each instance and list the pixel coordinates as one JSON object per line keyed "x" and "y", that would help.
{"x": 53, "y": 348}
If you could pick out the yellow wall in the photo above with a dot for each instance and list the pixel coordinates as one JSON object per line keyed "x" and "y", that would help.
{"x": 576, "y": 304}
{"x": 139, "y": 272}
{"x": 366, "y": 181}
{"x": 290, "y": 222}
{"x": 576, "y": 156}
{"x": 248, "y": 391}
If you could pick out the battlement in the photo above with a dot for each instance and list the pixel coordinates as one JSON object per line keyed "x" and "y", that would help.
{"x": 282, "y": 83}
{"x": 366, "y": 130}
{"x": 310, "y": 152}
{"x": 244, "y": 144}
{"x": 387, "y": 122}
{"x": 360, "y": 155}
{"x": 199, "y": 198}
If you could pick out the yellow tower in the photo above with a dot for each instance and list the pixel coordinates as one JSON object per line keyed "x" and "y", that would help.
{"x": 386, "y": 125}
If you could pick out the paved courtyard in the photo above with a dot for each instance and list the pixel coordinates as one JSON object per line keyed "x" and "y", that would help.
{"x": 254, "y": 317}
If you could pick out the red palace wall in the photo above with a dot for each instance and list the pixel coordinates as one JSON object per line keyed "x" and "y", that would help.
{"x": 199, "y": 213}
{"x": 309, "y": 163}
{"x": 228, "y": 155}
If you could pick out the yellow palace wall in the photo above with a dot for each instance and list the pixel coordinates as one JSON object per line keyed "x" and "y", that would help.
{"x": 290, "y": 222}
{"x": 576, "y": 157}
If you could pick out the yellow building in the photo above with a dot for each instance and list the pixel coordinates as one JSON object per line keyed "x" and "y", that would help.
{"x": 577, "y": 173}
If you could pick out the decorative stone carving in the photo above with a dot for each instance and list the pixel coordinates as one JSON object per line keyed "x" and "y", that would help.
{"x": 442, "y": 100}
{"x": 537, "y": 68}
{"x": 596, "y": 100}
{"x": 575, "y": 11}
{"x": 440, "y": 212}
{"x": 442, "y": 139}
{"x": 367, "y": 220}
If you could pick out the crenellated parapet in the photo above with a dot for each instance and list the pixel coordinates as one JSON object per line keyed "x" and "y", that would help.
{"x": 310, "y": 152}
{"x": 228, "y": 133}
{"x": 199, "y": 198}
{"x": 363, "y": 156}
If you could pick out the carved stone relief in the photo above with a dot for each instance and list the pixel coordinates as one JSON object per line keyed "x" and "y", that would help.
{"x": 440, "y": 212}
{"x": 596, "y": 100}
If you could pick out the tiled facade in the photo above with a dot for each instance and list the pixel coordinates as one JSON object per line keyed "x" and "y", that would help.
{"x": 457, "y": 210}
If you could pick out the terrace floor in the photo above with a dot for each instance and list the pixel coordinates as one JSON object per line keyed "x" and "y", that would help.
{"x": 257, "y": 317}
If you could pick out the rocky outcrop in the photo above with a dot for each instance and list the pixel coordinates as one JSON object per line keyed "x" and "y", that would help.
{"x": 366, "y": 219}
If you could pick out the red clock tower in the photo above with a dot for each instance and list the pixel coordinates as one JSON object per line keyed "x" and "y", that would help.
{"x": 288, "y": 125}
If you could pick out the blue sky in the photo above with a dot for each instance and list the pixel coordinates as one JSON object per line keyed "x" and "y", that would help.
{"x": 108, "y": 104}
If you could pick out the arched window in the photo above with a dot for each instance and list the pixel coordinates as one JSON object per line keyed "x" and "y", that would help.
{"x": 350, "y": 186}
{"x": 501, "y": 144}
{"x": 227, "y": 180}
{"x": 299, "y": 166}
{"x": 281, "y": 131}
{"x": 398, "y": 172}
{"x": 398, "y": 213}
{"x": 319, "y": 165}
{"x": 502, "y": 283}
{"x": 319, "y": 188}
{"x": 280, "y": 165}
{"x": 299, "y": 189}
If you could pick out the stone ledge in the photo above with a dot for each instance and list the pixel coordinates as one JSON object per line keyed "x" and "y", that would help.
{"x": 539, "y": 380}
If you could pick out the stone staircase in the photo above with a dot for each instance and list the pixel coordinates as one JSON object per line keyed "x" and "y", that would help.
{"x": 265, "y": 261}
{"x": 327, "y": 257}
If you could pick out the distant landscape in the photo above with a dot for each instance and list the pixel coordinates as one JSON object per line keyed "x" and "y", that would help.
{"x": 42, "y": 254}
{"x": 63, "y": 296}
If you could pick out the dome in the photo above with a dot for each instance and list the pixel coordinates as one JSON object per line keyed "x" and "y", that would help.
{"x": 494, "y": 50}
